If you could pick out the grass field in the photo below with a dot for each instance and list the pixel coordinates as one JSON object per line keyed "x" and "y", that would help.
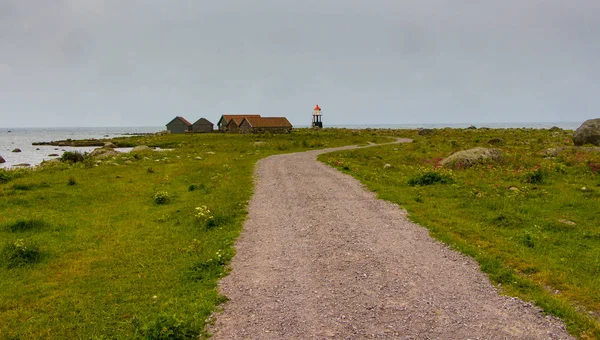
{"x": 131, "y": 246}
{"x": 532, "y": 221}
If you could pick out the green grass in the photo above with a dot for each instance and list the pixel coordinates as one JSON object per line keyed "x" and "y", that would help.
{"x": 532, "y": 222}
{"x": 111, "y": 258}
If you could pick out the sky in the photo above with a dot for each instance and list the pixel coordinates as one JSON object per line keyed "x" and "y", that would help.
{"x": 72, "y": 63}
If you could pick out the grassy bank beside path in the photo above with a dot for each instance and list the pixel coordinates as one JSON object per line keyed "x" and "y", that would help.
{"x": 532, "y": 221}
{"x": 132, "y": 246}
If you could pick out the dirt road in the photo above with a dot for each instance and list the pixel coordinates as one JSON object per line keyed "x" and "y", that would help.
{"x": 320, "y": 257}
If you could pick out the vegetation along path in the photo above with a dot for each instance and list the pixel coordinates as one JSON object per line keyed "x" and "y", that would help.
{"x": 320, "y": 257}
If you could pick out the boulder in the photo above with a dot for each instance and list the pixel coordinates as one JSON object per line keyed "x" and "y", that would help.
{"x": 109, "y": 145}
{"x": 588, "y": 133}
{"x": 53, "y": 155}
{"x": 555, "y": 128}
{"x": 423, "y": 132}
{"x": 140, "y": 148}
{"x": 2, "y": 160}
{"x": 472, "y": 127}
{"x": 103, "y": 153}
{"x": 471, "y": 157}
{"x": 17, "y": 150}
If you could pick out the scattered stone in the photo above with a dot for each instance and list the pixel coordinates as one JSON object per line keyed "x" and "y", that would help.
{"x": 567, "y": 222}
{"x": 588, "y": 133}
{"x": 553, "y": 152}
{"x": 37, "y": 149}
{"x": 140, "y": 148}
{"x": 17, "y": 150}
{"x": 109, "y": 145}
{"x": 53, "y": 155}
{"x": 472, "y": 127}
{"x": 210, "y": 153}
{"x": 471, "y": 157}
{"x": 424, "y": 132}
{"x": 2, "y": 160}
{"x": 128, "y": 162}
{"x": 103, "y": 153}
{"x": 514, "y": 189}
{"x": 496, "y": 141}
{"x": 555, "y": 128}
{"x": 387, "y": 166}
{"x": 198, "y": 158}
{"x": 22, "y": 165}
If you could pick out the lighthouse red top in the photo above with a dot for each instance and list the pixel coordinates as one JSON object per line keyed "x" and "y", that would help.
{"x": 317, "y": 108}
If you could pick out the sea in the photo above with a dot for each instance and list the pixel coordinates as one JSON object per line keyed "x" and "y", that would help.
{"x": 23, "y": 138}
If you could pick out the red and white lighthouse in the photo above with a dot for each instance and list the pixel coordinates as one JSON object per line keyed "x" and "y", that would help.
{"x": 316, "y": 120}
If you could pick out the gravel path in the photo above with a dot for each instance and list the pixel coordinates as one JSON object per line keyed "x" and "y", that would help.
{"x": 320, "y": 257}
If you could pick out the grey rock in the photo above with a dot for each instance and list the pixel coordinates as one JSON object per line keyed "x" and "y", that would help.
{"x": 17, "y": 150}
{"x": 387, "y": 166}
{"x": 140, "y": 148}
{"x": 109, "y": 145}
{"x": 2, "y": 160}
{"x": 103, "y": 153}
{"x": 588, "y": 133}
{"x": 471, "y": 157}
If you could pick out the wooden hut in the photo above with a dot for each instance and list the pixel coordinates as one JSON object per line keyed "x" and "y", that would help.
{"x": 179, "y": 125}
{"x": 233, "y": 126}
{"x": 226, "y": 118}
{"x": 264, "y": 124}
{"x": 202, "y": 125}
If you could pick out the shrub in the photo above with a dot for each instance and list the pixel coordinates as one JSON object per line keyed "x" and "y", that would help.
{"x": 161, "y": 197}
{"x": 72, "y": 157}
{"x": 19, "y": 253}
{"x": 5, "y": 176}
{"x": 535, "y": 176}
{"x": 527, "y": 240}
{"x": 192, "y": 187}
{"x": 430, "y": 177}
{"x": 167, "y": 326}
{"x": 26, "y": 225}
{"x": 71, "y": 181}
{"x": 217, "y": 221}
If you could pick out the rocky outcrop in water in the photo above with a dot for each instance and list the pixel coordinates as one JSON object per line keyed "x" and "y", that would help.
{"x": 2, "y": 160}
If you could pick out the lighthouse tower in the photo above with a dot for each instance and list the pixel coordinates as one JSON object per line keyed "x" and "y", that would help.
{"x": 316, "y": 120}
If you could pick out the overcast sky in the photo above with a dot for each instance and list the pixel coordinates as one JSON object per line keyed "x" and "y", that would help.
{"x": 142, "y": 62}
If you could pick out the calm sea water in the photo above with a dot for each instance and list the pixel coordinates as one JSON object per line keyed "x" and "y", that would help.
{"x": 23, "y": 138}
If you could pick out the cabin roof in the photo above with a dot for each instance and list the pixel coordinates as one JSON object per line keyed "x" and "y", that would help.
{"x": 263, "y": 122}
{"x": 239, "y": 118}
{"x": 181, "y": 119}
{"x": 203, "y": 121}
